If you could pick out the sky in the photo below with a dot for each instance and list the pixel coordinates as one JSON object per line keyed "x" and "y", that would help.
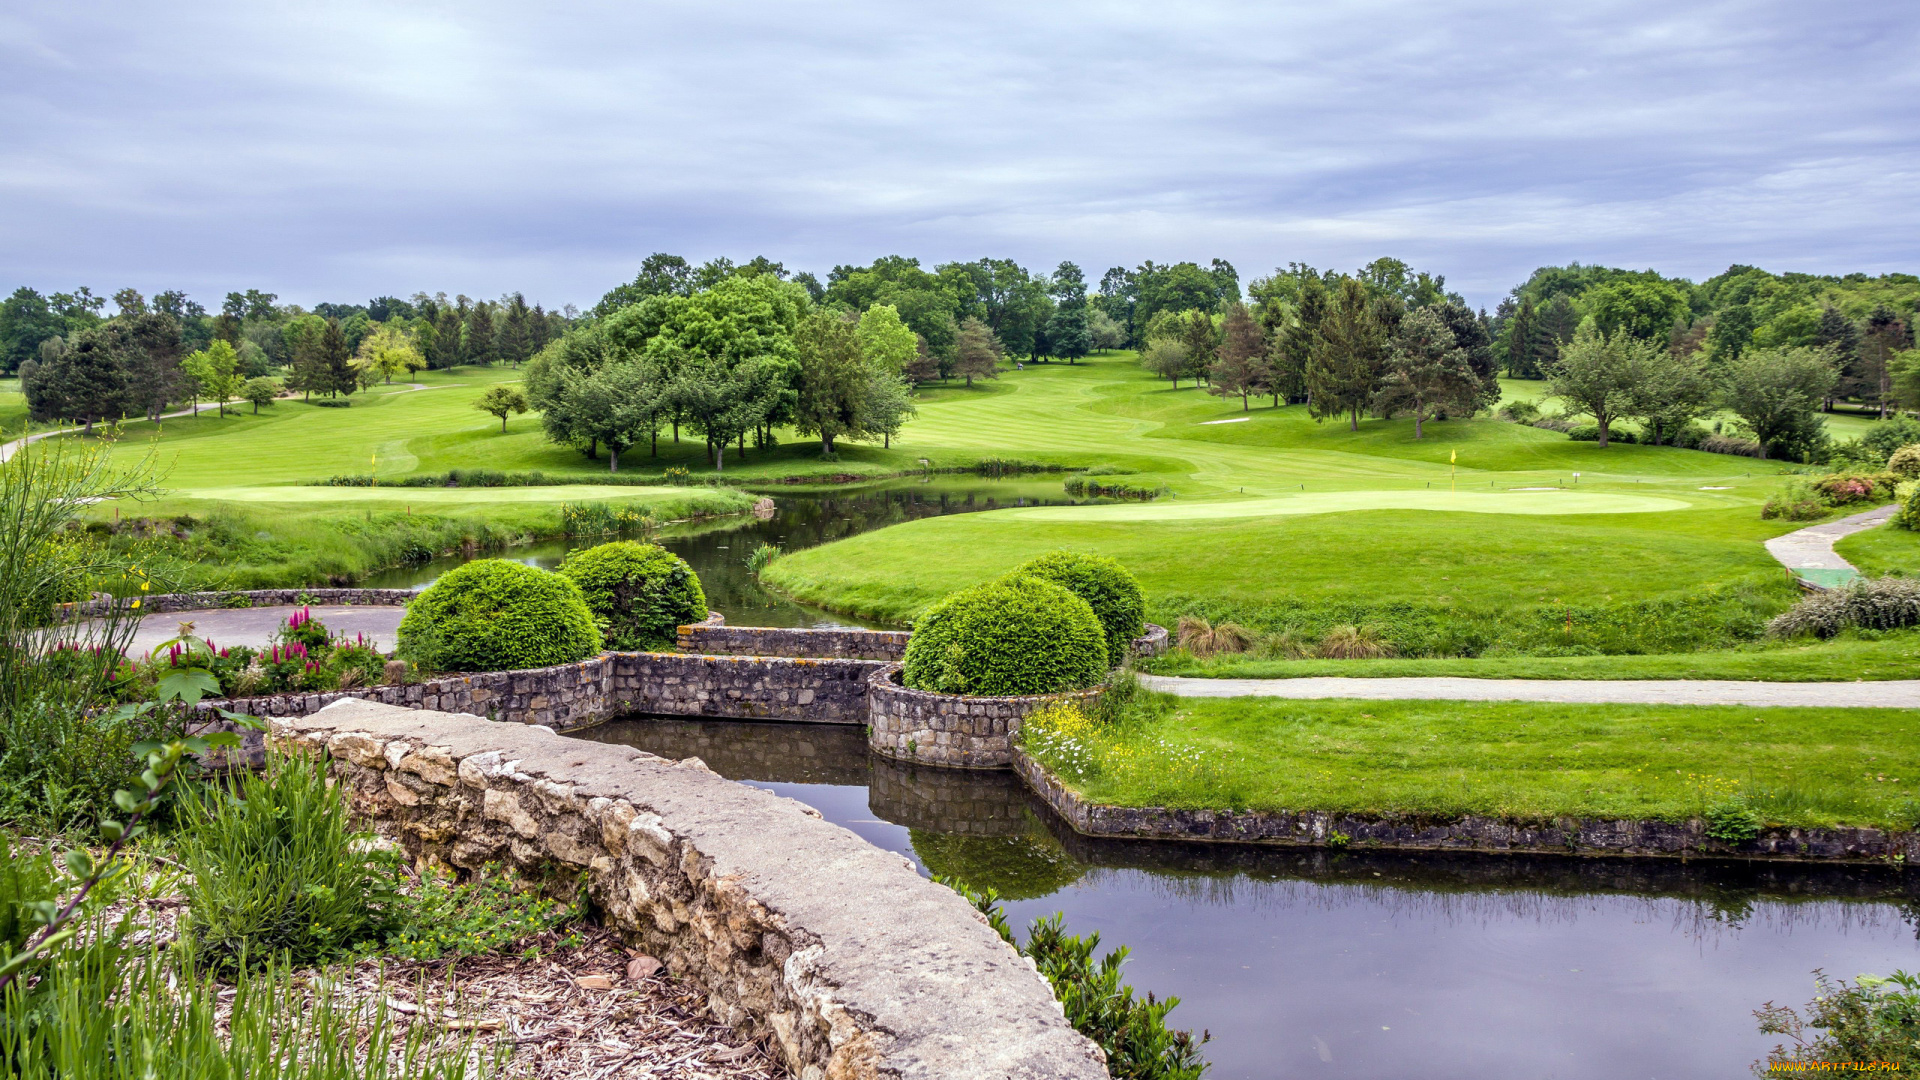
{"x": 343, "y": 150}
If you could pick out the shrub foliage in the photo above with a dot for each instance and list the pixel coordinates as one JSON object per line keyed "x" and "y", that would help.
{"x": 1019, "y": 635}
{"x": 642, "y": 592}
{"x": 498, "y": 615}
{"x": 1888, "y": 603}
{"x": 1106, "y": 586}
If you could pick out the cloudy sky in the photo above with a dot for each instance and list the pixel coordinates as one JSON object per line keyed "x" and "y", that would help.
{"x": 340, "y": 150}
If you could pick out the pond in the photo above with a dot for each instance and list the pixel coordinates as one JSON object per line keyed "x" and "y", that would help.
{"x": 802, "y": 518}
{"x": 1369, "y": 965}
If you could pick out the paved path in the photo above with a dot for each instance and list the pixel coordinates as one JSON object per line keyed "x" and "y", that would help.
{"x": 8, "y": 449}
{"x": 1901, "y": 694}
{"x": 1811, "y": 548}
{"x": 256, "y": 626}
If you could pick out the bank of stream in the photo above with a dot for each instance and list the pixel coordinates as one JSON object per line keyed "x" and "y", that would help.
{"x": 1356, "y": 964}
{"x": 802, "y": 518}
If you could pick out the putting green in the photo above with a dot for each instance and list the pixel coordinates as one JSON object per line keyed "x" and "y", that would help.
{"x": 423, "y": 496}
{"x": 1334, "y": 502}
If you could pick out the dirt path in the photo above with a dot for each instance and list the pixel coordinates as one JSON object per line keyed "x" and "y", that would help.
{"x": 1892, "y": 694}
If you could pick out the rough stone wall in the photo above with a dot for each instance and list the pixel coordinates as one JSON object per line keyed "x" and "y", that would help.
{"x": 742, "y": 687}
{"x": 162, "y": 603}
{"x": 846, "y": 644}
{"x": 851, "y": 964}
{"x": 1151, "y": 643}
{"x": 1569, "y": 836}
{"x": 948, "y": 729}
{"x": 562, "y": 697}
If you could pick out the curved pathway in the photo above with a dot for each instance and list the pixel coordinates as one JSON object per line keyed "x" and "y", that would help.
{"x": 8, "y": 449}
{"x": 1809, "y": 552}
{"x": 1891, "y": 694}
{"x": 256, "y": 626}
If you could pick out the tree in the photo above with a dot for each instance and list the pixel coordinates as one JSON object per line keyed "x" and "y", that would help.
{"x": 885, "y": 405}
{"x": 886, "y": 341}
{"x": 444, "y": 350}
{"x": 516, "y": 332}
{"x": 1471, "y": 333}
{"x": 976, "y": 352}
{"x": 148, "y": 347}
{"x": 1885, "y": 338}
{"x": 480, "y": 345}
{"x": 1240, "y": 365}
{"x": 388, "y": 350}
{"x": 1598, "y": 373}
{"x": 833, "y": 373}
{"x": 925, "y": 366}
{"x": 1201, "y": 343}
{"x": 618, "y": 405}
{"x": 335, "y": 362}
{"x": 25, "y": 321}
{"x": 501, "y": 399}
{"x": 1522, "y": 338}
{"x": 1068, "y": 334}
{"x": 260, "y": 391}
{"x": 1670, "y": 390}
{"x": 660, "y": 274}
{"x": 1427, "y": 371}
{"x": 1349, "y": 353}
{"x": 1643, "y": 309}
{"x": 303, "y": 340}
{"x": 1292, "y": 343}
{"x": 1165, "y": 357}
{"x": 215, "y": 370}
{"x": 79, "y": 377}
{"x": 1778, "y": 392}
{"x": 1104, "y": 332}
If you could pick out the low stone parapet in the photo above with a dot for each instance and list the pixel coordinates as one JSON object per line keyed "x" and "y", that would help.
{"x": 839, "y": 954}
{"x": 949, "y": 729}
{"x": 163, "y": 603}
{"x": 742, "y": 687}
{"x": 845, "y": 643}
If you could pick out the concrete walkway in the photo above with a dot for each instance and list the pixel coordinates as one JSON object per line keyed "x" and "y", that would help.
{"x": 1892, "y": 694}
{"x": 1811, "y": 548}
{"x": 257, "y": 626}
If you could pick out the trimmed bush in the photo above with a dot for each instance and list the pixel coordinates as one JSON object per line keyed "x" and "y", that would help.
{"x": 1018, "y": 635}
{"x": 1905, "y": 462}
{"x": 1908, "y": 516}
{"x": 1105, "y": 585}
{"x": 1887, "y": 603}
{"x": 642, "y": 592}
{"x": 498, "y": 615}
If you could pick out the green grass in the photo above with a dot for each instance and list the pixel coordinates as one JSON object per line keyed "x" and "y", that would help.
{"x": 1528, "y": 761}
{"x": 1892, "y": 656}
{"x": 1885, "y": 549}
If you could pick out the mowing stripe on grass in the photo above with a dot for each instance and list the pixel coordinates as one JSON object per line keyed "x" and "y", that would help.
{"x": 1333, "y": 502}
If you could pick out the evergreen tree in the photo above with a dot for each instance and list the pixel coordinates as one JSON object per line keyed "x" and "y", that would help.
{"x": 1841, "y": 337}
{"x": 1428, "y": 371}
{"x": 1292, "y": 348}
{"x": 1240, "y": 366}
{"x": 976, "y": 351}
{"x": 149, "y": 349}
{"x": 1201, "y": 344}
{"x": 1475, "y": 339}
{"x": 1349, "y": 355}
{"x": 447, "y": 345}
{"x": 481, "y": 347}
{"x": 1522, "y": 341}
{"x": 80, "y": 377}
{"x": 516, "y": 331}
{"x": 335, "y": 371}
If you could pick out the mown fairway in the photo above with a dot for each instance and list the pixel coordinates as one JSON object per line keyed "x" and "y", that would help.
{"x": 1272, "y": 505}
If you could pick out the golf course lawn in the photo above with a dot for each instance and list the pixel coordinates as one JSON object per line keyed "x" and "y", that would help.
{"x": 1894, "y": 655}
{"x": 1524, "y": 760}
{"x": 1886, "y": 549}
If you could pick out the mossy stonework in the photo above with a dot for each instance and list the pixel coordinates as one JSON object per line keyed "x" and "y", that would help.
{"x": 850, "y": 964}
{"x": 950, "y": 729}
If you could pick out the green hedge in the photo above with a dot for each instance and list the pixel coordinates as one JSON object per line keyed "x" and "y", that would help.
{"x": 1105, "y": 585}
{"x": 498, "y": 615}
{"x": 1018, "y": 635}
{"x": 643, "y": 592}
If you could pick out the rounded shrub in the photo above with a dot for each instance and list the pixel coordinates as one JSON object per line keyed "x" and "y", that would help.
{"x": 1905, "y": 462}
{"x": 1105, "y": 585}
{"x": 498, "y": 615}
{"x": 643, "y": 592}
{"x": 1018, "y": 635}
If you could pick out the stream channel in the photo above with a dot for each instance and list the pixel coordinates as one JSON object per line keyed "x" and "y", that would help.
{"x": 1309, "y": 963}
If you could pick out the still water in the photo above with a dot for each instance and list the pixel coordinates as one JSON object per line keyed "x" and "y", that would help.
{"x": 802, "y": 518}
{"x": 1358, "y": 965}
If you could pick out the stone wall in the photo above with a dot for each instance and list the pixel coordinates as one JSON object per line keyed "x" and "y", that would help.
{"x": 845, "y": 960}
{"x": 1566, "y": 836}
{"x": 562, "y": 697}
{"x": 948, "y": 729}
{"x": 162, "y": 603}
{"x": 1151, "y": 643}
{"x": 843, "y": 643}
{"x": 742, "y": 687}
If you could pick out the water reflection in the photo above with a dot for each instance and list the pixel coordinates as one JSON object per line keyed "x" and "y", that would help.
{"x": 1370, "y": 964}
{"x": 802, "y": 518}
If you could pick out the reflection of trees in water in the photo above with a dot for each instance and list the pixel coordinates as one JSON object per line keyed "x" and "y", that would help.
{"x": 1022, "y": 867}
{"x": 1701, "y": 917}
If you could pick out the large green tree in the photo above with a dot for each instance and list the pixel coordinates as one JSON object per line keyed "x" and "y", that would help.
{"x": 26, "y": 320}
{"x": 1599, "y": 374}
{"x": 1427, "y": 371}
{"x": 1349, "y": 354}
{"x": 1240, "y": 364}
{"x": 1778, "y": 393}
{"x": 79, "y": 377}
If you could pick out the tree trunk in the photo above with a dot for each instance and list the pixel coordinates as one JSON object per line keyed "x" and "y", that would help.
{"x": 1419, "y": 424}
{"x": 676, "y": 431}
{"x": 503, "y": 423}
{"x": 613, "y": 458}
{"x": 1353, "y": 419}
{"x": 1243, "y": 401}
{"x": 655, "y": 452}
{"x": 720, "y": 458}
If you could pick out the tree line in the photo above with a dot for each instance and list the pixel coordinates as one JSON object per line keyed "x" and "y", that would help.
{"x": 78, "y": 363}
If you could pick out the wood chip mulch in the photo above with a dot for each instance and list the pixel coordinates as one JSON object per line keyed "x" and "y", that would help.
{"x": 591, "y": 1011}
